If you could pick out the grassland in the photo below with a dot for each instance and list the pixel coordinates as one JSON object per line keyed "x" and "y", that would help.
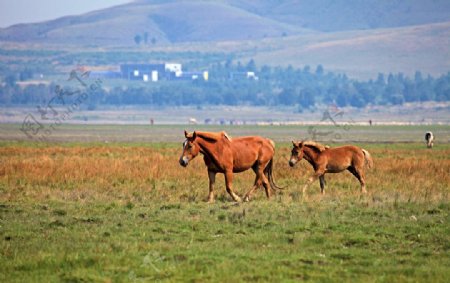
{"x": 142, "y": 133}
{"x": 127, "y": 212}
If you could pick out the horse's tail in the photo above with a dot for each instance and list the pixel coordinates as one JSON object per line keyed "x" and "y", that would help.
{"x": 368, "y": 158}
{"x": 268, "y": 172}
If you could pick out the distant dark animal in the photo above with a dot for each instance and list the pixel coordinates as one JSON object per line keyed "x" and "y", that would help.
{"x": 331, "y": 160}
{"x": 429, "y": 139}
{"x": 225, "y": 155}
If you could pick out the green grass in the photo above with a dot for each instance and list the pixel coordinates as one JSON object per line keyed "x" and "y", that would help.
{"x": 324, "y": 241}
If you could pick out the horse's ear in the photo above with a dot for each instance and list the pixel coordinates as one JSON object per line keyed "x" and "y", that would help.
{"x": 294, "y": 143}
{"x": 186, "y": 134}
{"x": 194, "y": 135}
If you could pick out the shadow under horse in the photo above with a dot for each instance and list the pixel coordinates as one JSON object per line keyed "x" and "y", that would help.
{"x": 226, "y": 155}
{"x": 331, "y": 160}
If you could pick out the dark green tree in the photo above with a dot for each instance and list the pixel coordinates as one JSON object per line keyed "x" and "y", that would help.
{"x": 138, "y": 39}
{"x": 307, "y": 98}
{"x": 288, "y": 96}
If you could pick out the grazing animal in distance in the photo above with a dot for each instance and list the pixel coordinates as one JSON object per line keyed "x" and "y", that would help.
{"x": 226, "y": 155}
{"x": 429, "y": 138}
{"x": 331, "y": 160}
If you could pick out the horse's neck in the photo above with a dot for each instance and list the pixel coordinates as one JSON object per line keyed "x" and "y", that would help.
{"x": 310, "y": 155}
{"x": 209, "y": 149}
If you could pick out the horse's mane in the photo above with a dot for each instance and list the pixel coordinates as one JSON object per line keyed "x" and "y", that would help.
{"x": 214, "y": 136}
{"x": 316, "y": 145}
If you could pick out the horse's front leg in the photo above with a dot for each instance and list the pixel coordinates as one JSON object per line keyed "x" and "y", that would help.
{"x": 212, "y": 180}
{"x": 228, "y": 184}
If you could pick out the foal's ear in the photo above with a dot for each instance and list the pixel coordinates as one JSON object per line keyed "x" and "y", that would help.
{"x": 295, "y": 144}
{"x": 190, "y": 136}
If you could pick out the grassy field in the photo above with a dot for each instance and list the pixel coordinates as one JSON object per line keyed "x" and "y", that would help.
{"x": 127, "y": 212}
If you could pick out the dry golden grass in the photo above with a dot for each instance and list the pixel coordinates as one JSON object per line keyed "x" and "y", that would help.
{"x": 128, "y": 212}
{"x": 152, "y": 174}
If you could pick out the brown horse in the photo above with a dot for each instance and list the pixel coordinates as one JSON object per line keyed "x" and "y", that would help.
{"x": 227, "y": 156}
{"x": 331, "y": 160}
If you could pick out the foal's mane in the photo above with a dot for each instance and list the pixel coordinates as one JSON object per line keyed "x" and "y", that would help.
{"x": 315, "y": 145}
{"x": 213, "y": 136}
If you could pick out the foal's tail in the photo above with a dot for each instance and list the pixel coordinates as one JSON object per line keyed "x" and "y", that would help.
{"x": 368, "y": 158}
{"x": 268, "y": 172}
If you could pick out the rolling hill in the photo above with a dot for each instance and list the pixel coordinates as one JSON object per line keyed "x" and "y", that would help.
{"x": 365, "y": 53}
{"x": 177, "y": 21}
{"x": 358, "y": 38}
{"x": 171, "y": 22}
{"x": 340, "y": 15}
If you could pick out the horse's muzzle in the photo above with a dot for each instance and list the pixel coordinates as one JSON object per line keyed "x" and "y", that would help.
{"x": 292, "y": 163}
{"x": 183, "y": 162}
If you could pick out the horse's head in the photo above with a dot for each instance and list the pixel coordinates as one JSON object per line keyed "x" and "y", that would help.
{"x": 296, "y": 153}
{"x": 190, "y": 149}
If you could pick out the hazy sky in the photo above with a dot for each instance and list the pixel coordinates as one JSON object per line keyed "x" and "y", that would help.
{"x": 29, "y": 11}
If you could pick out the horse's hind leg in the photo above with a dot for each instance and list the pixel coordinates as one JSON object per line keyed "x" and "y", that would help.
{"x": 260, "y": 179}
{"x": 264, "y": 178}
{"x": 266, "y": 185}
{"x": 322, "y": 184}
{"x": 256, "y": 185}
{"x": 359, "y": 174}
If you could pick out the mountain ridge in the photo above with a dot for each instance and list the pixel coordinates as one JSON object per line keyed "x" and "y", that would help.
{"x": 175, "y": 21}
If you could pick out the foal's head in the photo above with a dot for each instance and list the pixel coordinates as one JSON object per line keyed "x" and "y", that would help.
{"x": 190, "y": 149}
{"x": 296, "y": 153}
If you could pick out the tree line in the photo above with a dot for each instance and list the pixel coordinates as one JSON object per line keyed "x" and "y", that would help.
{"x": 301, "y": 87}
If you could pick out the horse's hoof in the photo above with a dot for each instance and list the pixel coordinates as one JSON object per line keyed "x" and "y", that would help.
{"x": 246, "y": 199}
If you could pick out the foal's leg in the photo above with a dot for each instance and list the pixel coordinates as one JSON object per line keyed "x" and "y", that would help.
{"x": 311, "y": 179}
{"x": 359, "y": 174}
{"x": 228, "y": 184}
{"x": 362, "y": 181}
{"x": 322, "y": 184}
{"x": 212, "y": 180}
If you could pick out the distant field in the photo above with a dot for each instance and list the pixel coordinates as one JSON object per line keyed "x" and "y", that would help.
{"x": 279, "y": 133}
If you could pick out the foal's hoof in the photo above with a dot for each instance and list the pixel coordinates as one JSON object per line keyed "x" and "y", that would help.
{"x": 246, "y": 199}
{"x": 237, "y": 199}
